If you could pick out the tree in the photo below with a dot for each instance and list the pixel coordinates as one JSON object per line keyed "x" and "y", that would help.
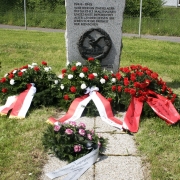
{"x": 150, "y": 8}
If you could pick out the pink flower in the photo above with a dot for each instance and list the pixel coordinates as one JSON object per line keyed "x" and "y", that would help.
{"x": 89, "y": 136}
{"x": 82, "y": 132}
{"x": 68, "y": 131}
{"x": 77, "y": 148}
{"x": 82, "y": 125}
{"x": 72, "y": 123}
{"x": 57, "y": 128}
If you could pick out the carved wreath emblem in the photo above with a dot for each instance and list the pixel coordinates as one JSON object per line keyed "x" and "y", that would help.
{"x": 94, "y": 43}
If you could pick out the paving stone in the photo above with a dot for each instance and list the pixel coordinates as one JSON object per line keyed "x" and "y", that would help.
{"x": 119, "y": 168}
{"x": 120, "y": 144}
{"x": 54, "y": 164}
{"x": 102, "y": 126}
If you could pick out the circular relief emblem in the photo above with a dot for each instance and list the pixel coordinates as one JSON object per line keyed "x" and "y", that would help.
{"x": 94, "y": 43}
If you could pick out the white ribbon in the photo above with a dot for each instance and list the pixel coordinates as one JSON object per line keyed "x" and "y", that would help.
{"x": 76, "y": 168}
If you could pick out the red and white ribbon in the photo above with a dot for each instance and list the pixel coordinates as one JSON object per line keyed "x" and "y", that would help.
{"x": 79, "y": 104}
{"x": 10, "y": 102}
{"x": 23, "y": 102}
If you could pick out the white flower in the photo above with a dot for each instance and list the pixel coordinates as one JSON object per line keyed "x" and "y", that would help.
{"x": 34, "y": 64}
{"x": 23, "y": 70}
{"x": 102, "y": 80}
{"x": 81, "y": 75}
{"x": 14, "y": 71}
{"x": 12, "y": 82}
{"x": 62, "y": 86}
{"x": 5, "y": 75}
{"x": 78, "y": 64}
{"x": 46, "y": 69}
{"x": 70, "y": 76}
{"x": 56, "y": 81}
{"x": 83, "y": 86}
{"x": 113, "y": 79}
{"x": 60, "y": 76}
{"x": 30, "y": 66}
{"x": 50, "y": 68}
{"x": 95, "y": 74}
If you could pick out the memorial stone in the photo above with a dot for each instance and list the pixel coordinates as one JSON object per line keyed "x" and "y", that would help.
{"x": 94, "y": 29}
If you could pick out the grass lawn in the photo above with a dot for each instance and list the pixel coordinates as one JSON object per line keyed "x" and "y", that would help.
{"x": 21, "y": 150}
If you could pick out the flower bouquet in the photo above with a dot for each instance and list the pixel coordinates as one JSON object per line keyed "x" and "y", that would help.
{"x": 70, "y": 141}
{"x": 16, "y": 81}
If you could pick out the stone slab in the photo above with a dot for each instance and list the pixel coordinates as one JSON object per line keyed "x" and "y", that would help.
{"x": 54, "y": 164}
{"x": 119, "y": 168}
{"x": 81, "y": 16}
{"x": 101, "y": 126}
{"x": 120, "y": 144}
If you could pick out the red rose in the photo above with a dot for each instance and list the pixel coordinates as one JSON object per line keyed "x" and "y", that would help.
{"x": 118, "y": 76}
{"x": 90, "y": 59}
{"x": 85, "y": 69}
{"x": 36, "y": 68}
{"x": 133, "y": 77}
{"x": 11, "y": 76}
{"x": 73, "y": 89}
{"x": 133, "y": 67}
{"x": 110, "y": 100}
{"x": 132, "y": 92}
{"x": 91, "y": 76}
{"x": 20, "y": 73}
{"x": 106, "y": 77}
{"x": 66, "y": 97}
{"x": 119, "y": 88}
{"x": 154, "y": 75}
{"x": 3, "y": 80}
{"x": 139, "y": 73}
{"x": 126, "y": 70}
{"x": 148, "y": 72}
{"x": 137, "y": 84}
{"x": 4, "y": 90}
{"x": 113, "y": 88}
{"x": 63, "y": 71}
{"x": 126, "y": 90}
{"x": 25, "y": 67}
{"x": 142, "y": 98}
{"x": 74, "y": 68}
{"x": 126, "y": 81}
{"x": 44, "y": 63}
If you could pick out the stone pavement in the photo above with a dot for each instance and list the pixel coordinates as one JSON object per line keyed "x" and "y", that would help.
{"x": 119, "y": 162}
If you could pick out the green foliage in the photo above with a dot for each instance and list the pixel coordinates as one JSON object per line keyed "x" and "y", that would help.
{"x": 69, "y": 141}
{"x": 149, "y": 8}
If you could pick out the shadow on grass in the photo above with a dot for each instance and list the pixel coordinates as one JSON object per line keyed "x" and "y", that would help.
{"x": 174, "y": 84}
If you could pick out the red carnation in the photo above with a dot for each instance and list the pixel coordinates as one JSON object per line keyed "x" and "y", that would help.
{"x": 110, "y": 100}
{"x": 20, "y": 73}
{"x": 90, "y": 59}
{"x": 106, "y": 77}
{"x": 91, "y": 76}
{"x": 4, "y": 90}
{"x": 126, "y": 81}
{"x": 132, "y": 92}
{"x": 126, "y": 90}
{"x": 133, "y": 77}
{"x": 139, "y": 73}
{"x": 66, "y": 97}
{"x": 74, "y": 68}
{"x": 137, "y": 84}
{"x": 113, "y": 88}
{"x": 36, "y": 68}
{"x": 148, "y": 72}
{"x": 154, "y": 75}
{"x": 85, "y": 69}
{"x": 44, "y": 63}
{"x": 25, "y": 67}
{"x": 119, "y": 88}
{"x": 3, "y": 80}
{"x": 142, "y": 98}
{"x": 73, "y": 89}
{"x": 118, "y": 76}
{"x": 63, "y": 71}
{"x": 11, "y": 76}
{"x": 126, "y": 70}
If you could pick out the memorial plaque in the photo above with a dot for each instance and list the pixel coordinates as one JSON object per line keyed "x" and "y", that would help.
{"x": 94, "y": 29}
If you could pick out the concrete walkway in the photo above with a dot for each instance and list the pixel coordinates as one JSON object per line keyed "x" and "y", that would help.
{"x": 120, "y": 161}
{"x": 162, "y": 38}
